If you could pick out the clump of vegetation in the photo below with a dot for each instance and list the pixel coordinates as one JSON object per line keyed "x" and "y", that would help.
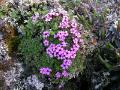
{"x": 40, "y": 30}
{"x": 40, "y": 33}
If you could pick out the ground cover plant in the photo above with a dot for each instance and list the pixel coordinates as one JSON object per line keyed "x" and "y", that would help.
{"x": 50, "y": 42}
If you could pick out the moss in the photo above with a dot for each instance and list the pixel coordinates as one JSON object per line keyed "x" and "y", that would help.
{"x": 11, "y": 38}
{"x": 13, "y": 45}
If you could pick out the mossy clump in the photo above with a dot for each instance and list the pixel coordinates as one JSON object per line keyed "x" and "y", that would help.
{"x": 11, "y": 38}
{"x": 13, "y": 45}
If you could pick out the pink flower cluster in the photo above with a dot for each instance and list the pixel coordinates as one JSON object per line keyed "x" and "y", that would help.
{"x": 64, "y": 23}
{"x": 35, "y": 17}
{"x": 59, "y": 75}
{"x": 59, "y": 51}
{"x": 61, "y": 35}
{"x": 45, "y": 71}
{"x": 46, "y": 34}
{"x": 48, "y": 17}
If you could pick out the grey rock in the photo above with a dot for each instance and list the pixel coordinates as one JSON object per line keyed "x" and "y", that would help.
{"x": 3, "y": 52}
{"x": 34, "y": 82}
{"x": 13, "y": 76}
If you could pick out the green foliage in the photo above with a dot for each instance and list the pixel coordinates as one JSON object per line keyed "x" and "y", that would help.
{"x": 33, "y": 51}
{"x": 78, "y": 64}
{"x": 31, "y": 46}
{"x": 70, "y": 4}
{"x": 85, "y": 22}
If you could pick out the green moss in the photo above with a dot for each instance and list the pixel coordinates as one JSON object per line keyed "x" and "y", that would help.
{"x": 13, "y": 44}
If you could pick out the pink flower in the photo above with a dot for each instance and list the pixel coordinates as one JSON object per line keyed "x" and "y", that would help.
{"x": 61, "y": 35}
{"x": 64, "y": 23}
{"x": 45, "y": 70}
{"x": 48, "y": 18}
{"x": 35, "y": 17}
{"x": 46, "y": 42}
{"x": 63, "y": 44}
{"x": 58, "y": 75}
{"x": 75, "y": 40}
{"x": 74, "y": 23}
{"x": 73, "y": 30}
{"x": 66, "y": 64}
{"x": 46, "y": 34}
{"x": 81, "y": 41}
{"x": 65, "y": 73}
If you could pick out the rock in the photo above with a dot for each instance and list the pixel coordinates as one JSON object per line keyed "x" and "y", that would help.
{"x": 34, "y": 82}
{"x": 3, "y": 49}
{"x": 3, "y": 52}
{"x": 30, "y": 83}
{"x": 12, "y": 76}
